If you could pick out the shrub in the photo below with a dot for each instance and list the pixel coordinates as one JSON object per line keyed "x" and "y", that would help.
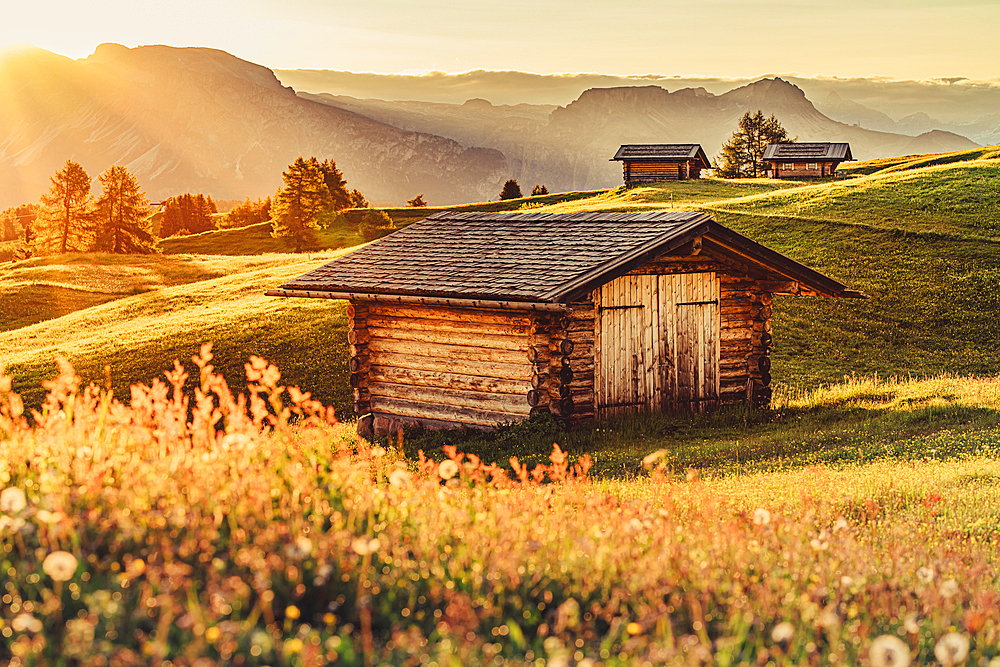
{"x": 375, "y": 224}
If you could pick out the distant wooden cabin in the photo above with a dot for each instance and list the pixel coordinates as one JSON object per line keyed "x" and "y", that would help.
{"x": 480, "y": 318}
{"x": 816, "y": 160}
{"x": 655, "y": 163}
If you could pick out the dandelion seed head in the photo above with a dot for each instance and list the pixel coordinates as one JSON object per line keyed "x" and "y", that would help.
{"x": 925, "y": 575}
{"x": 783, "y": 632}
{"x": 911, "y": 624}
{"x": 840, "y": 524}
{"x": 12, "y": 500}
{"x": 399, "y": 478}
{"x": 949, "y": 588}
{"x": 761, "y": 516}
{"x": 952, "y": 649}
{"x": 889, "y": 651}
{"x": 60, "y": 565}
{"x": 448, "y": 469}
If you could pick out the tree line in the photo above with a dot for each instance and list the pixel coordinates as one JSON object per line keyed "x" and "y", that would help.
{"x": 70, "y": 218}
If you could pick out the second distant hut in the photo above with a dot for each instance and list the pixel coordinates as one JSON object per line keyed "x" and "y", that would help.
{"x": 655, "y": 163}
{"x": 812, "y": 160}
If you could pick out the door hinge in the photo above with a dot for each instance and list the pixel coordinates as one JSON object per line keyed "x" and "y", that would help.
{"x": 699, "y": 303}
{"x": 601, "y": 309}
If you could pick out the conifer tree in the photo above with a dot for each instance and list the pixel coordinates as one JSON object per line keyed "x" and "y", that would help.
{"x": 296, "y": 205}
{"x": 63, "y": 223}
{"x": 511, "y": 190}
{"x": 539, "y": 190}
{"x": 743, "y": 155}
{"x": 417, "y": 201}
{"x": 121, "y": 214}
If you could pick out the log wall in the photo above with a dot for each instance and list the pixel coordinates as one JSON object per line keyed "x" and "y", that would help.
{"x": 440, "y": 366}
{"x": 648, "y": 171}
{"x": 802, "y": 170}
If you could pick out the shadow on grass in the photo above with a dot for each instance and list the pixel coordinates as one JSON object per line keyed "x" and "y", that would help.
{"x": 735, "y": 440}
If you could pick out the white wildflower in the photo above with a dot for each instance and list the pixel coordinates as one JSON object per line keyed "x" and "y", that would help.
{"x": 12, "y": 500}
{"x": 783, "y": 632}
{"x": 952, "y": 649}
{"x": 60, "y": 565}
{"x": 761, "y": 516}
{"x": 889, "y": 651}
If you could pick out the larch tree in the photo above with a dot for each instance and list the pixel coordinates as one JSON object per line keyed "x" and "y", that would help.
{"x": 63, "y": 223}
{"x": 296, "y": 204}
{"x": 743, "y": 155}
{"x": 121, "y": 214}
{"x": 340, "y": 196}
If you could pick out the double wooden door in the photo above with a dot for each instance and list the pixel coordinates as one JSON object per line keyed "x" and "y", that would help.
{"x": 657, "y": 344}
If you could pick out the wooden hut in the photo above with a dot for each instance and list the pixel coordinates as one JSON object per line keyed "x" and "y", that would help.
{"x": 654, "y": 163}
{"x": 480, "y": 318}
{"x": 816, "y": 160}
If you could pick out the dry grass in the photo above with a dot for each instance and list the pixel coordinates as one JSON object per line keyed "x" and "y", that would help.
{"x": 253, "y": 531}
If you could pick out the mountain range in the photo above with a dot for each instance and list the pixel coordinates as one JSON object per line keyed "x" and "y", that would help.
{"x": 201, "y": 120}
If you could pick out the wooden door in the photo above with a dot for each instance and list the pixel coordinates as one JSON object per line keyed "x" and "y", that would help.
{"x": 657, "y": 344}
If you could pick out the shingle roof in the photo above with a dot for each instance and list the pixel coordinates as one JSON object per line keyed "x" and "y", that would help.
{"x": 808, "y": 152}
{"x": 521, "y": 256}
{"x": 662, "y": 152}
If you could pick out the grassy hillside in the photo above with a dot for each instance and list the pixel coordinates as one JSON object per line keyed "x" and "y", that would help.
{"x": 959, "y": 199}
{"x": 934, "y": 307}
{"x": 886, "y": 165}
{"x": 256, "y": 239}
{"x": 199, "y": 300}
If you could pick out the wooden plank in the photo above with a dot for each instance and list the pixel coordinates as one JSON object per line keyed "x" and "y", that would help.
{"x": 458, "y": 415}
{"x": 424, "y": 378}
{"x": 496, "y": 342}
{"x": 487, "y": 369}
{"x": 462, "y": 326}
{"x": 507, "y": 403}
{"x": 443, "y": 351}
{"x": 453, "y": 314}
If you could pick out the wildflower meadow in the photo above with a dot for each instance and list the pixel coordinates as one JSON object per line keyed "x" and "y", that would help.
{"x": 210, "y": 529}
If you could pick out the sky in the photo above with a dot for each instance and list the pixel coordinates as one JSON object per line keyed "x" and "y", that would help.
{"x": 897, "y": 39}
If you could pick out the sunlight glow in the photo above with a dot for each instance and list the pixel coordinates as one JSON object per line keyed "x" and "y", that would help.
{"x": 912, "y": 39}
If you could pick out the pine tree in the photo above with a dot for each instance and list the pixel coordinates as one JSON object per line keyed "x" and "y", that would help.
{"x": 743, "y": 155}
{"x": 121, "y": 214}
{"x": 417, "y": 201}
{"x": 358, "y": 200}
{"x": 511, "y": 190}
{"x": 539, "y": 190}
{"x": 296, "y": 205}
{"x": 248, "y": 213}
{"x": 63, "y": 223}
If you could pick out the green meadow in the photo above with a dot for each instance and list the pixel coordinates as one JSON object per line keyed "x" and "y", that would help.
{"x": 154, "y": 517}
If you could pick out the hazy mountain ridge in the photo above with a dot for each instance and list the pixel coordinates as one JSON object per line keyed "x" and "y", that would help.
{"x": 203, "y": 120}
{"x": 957, "y": 101}
{"x": 570, "y": 149}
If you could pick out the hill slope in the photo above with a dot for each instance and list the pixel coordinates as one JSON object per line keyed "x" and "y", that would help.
{"x": 202, "y": 120}
{"x": 933, "y": 276}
